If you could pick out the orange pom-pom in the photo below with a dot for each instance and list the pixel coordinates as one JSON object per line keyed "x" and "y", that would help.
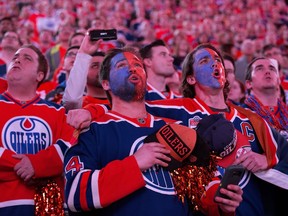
{"x": 190, "y": 181}
{"x": 48, "y": 200}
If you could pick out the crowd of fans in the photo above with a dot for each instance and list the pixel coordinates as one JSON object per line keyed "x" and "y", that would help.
{"x": 239, "y": 28}
{"x": 248, "y": 34}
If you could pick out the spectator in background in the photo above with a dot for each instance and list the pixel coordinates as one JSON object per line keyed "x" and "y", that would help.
{"x": 59, "y": 76}
{"x": 158, "y": 64}
{"x": 247, "y": 50}
{"x": 84, "y": 77}
{"x": 273, "y": 51}
{"x": 237, "y": 92}
{"x": 55, "y": 54}
{"x": 262, "y": 83}
{"x": 94, "y": 90}
{"x": 145, "y": 33}
{"x": 56, "y": 94}
{"x": 229, "y": 64}
{"x": 9, "y": 45}
{"x": 174, "y": 82}
{"x": 46, "y": 40}
{"x": 181, "y": 47}
{"x": 6, "y": 24}
{"x": 75, "y": 40}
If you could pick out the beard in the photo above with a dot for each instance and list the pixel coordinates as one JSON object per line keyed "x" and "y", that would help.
{"x": 129, "y": 92}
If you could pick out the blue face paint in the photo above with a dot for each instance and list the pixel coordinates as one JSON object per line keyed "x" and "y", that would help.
{"x": 205, "y": 65}
{"x": 120, "y": 85}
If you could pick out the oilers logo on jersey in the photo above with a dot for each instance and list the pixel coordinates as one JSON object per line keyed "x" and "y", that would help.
{"x": 157, "y": 179}
{"x": 26, "y": 135}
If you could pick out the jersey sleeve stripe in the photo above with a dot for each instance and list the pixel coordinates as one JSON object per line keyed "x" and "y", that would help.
{"x": 95, "y": 189}
{"x": 61, "y": 148}
{"x": 73, "y": 189}
{"x": 83, "y": 190}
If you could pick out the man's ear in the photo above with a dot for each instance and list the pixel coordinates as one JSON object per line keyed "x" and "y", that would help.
{"x": 40, "y": 76}
{"x": 105, "y": 85}
{"x": 191, "y": 79}
{"x": 147, "y": 62}
{"x": 248, "y": 84}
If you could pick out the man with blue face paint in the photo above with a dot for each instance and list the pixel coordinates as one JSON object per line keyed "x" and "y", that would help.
{"x": 259, "y": 148}
{"x": 128, "y": 87}
{"x": 209, "y": 71}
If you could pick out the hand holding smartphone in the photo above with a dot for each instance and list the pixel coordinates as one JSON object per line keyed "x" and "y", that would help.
{"x": 105, "y": 34}
{"x": 233, "y": 174}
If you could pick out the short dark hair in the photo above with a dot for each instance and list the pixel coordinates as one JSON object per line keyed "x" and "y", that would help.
{"x": 187, "y": 89}
{"x": 268, "y": 47}
{"x": 146, "y": 51}
{"x": 74, "y": 35}
{"x": 248, "y": 75}
{"x": 70, "y": 48}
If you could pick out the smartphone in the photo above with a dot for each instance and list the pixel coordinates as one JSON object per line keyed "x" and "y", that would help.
{"x": 105, "y": 34}
{"x": 233, "y": 174}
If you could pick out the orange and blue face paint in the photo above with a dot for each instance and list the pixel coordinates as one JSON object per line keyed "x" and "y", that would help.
{"x": 206, "y": 63}
{"x": 123, "y": 65}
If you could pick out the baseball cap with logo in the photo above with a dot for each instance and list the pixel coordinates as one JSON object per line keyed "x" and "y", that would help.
{"x": 184, "y": 144}
{"x": 223, "y": 139}
{"x": 218, "y": 133}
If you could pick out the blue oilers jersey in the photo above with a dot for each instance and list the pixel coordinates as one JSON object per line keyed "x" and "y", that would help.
{"x": 102, "y": 175}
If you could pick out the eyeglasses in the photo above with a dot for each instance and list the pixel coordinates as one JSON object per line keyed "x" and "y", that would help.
{"x": 71, "y": 54}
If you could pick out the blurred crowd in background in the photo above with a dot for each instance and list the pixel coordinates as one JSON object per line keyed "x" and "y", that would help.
{"x": 240, "y": 28}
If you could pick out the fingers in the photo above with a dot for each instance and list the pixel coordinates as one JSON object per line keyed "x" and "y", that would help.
{"x": 79, "y": 118}
{"x": 24, "y": 174}
{"x": 18, "y": 156}
{"x": 252, "y": 161}
{"x": 72, "y": 119}
{"x": 151, "y": 154}
{"x": 84, "y": 125}
{"x": 24, "y": 168}
{"x": 159, "y": 148}
{"x": 162, "y": 160}
{"x": 234, "y": 192}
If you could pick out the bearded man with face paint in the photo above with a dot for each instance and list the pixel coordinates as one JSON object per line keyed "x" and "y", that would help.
{"x": 110, "y": 171}
{"x": 259, "y": 148}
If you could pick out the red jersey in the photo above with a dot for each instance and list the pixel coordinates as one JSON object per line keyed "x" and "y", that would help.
{"x": 37, "y": 129}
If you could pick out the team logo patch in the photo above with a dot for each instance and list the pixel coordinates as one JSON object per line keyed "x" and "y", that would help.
{"x": 26, "y": 135}
{"x": 157, "y": 179}
{"x": 193, "y": 122}
{"x": 242, "y": 150}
